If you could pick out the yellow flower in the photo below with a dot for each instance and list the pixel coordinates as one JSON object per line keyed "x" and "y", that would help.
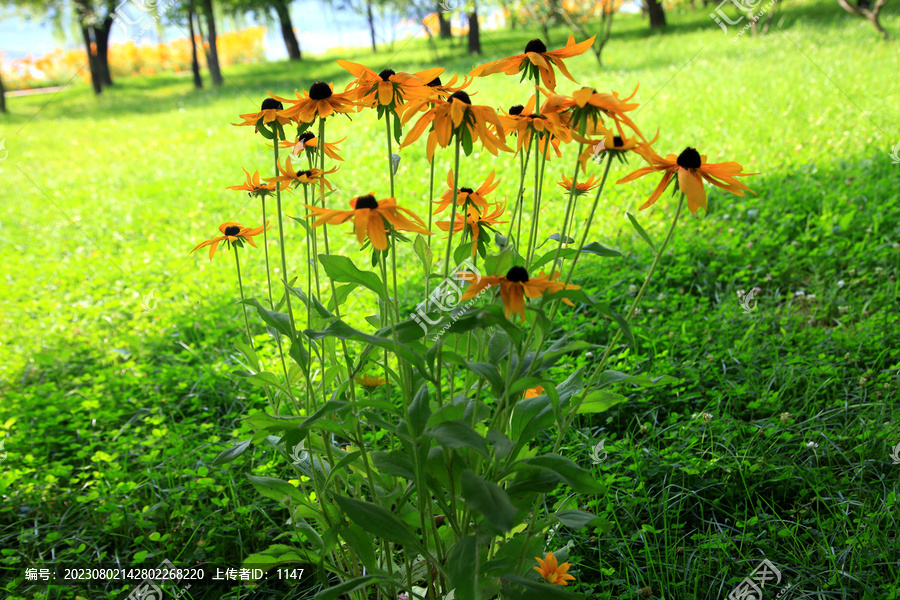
{"x": 321, "y": 102}
{"x": 269, "y": 112}
{"x": 369, "y": 217}
{"x": 514, "y": 286}
{"x": 534, "y": 393}
{"x": 289, "y": 175}
{"x": 475, "y": 221}
{"x": 232, "y": 233}
{"x": 582, "y": 187}
{"x": 553, "y": 572}
{"x": 537, "y": 60}
{"x": 691, "y": 168}
{"x": 466, "y": 195}
{"x": 370, "y": 382}
{"x": 388, "y": 88}
{"x": 456, "y": 116}
{"x": 253, "y": 187}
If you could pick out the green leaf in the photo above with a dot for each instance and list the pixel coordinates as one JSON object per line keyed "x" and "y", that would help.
{"x": 300, "y": 355}
{"x": 248, "y": 352}
{"x": 277, "y": 555}
{"x": 462, "y": 252}
{"x": 340, "y": 465}
{"x": 419, "y": 411}
{"x": 610, "y": 377}
{"x": 342, "y": 270}
{"x": 458, "y": 434}
{"x": 262, "y": 421}
{"x": 395, "y": 464}
{"x": 541, "y": 591}
{"x": 599, "y": 401}
{"x": 280, "y": 322}
{"x": 490, "y": 500}
{"x": 498, "y": 347}
{"x": 362, "y": 544}
{"x": 577, "y": 478}
{"x": 341, "y": 330}
{"x": 378, "y": 521}
{"x": 351, "y": 585}
{"x": 276, "y": 489}
{"x": 641, "y": 232}
{"x": 576, "y": 519}
{"x": 423, "y": 251}
{"x": 462, "y": 567}
{"x": 488, "y": 371}
{"x": 530, "y": 417}
{"x": 230, "y": 454}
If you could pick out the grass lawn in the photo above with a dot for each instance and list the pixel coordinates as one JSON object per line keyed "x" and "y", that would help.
{"x": 774, "y": 443}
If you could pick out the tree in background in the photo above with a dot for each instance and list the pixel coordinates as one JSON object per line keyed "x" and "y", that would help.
{"x": 579, "y": 15}
{"x": 657, "y": 15}
{"x": 866, "y": 10}
{"x": 212, "y": 52}
{"x": 474, "y": 33}
{"x": 364, "y": 8}
{"x": 195, "y": 64}
{"x": 2, "y": 96}
{"x": 262, "y": 8}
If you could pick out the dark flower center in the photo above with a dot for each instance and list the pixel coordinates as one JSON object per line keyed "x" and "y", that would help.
{"x": 434, "y": 82}
{"x": 386, "y": 74}
{"x": 232, "y": 230}
{"x": 303, "y": 174}
{"x": 518, "y": 274}
{"x": 535, "y": 45}
{"x": 689, "y": 159}
{"x": 516, "y": 110}
{"x": 305, "y": 137}
{"x": 320, "y": 91}
{"x": 270, "y": 103}
{"x": 461, "y": 96}
{"x": 466, "y": 190}
{"x": 535, "y": 116}
{"x": 617, "y": 142}
{"x": 366, "y": 202}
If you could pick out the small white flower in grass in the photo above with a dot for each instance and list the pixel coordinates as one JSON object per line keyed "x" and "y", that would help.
{"x": 843, "y": 309}
{"x": 632, "y": 289}
{"x": 812, "y": 445}
{"x": 785, "y": 416}
{"x": 841, "y": 283}
{"x": 879, "y": 270}
{"x": 707, "y": 417}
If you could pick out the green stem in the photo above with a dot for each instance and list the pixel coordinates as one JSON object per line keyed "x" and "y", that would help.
{"x": 237, "y": 262}
{"x": 390, "y": 152}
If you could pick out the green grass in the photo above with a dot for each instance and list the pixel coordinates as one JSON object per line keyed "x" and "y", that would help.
{"x": 112, "y": 415}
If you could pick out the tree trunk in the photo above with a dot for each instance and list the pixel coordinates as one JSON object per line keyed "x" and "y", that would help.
{"x": 657, "y": 15}
{"x": 96, "y": 82}
{"x": 212, "y": 55}
{"x": 287, "y": 29}
{"x": 195, "y": 64}
{"x": 2, "y": 96}
{"x": 445, "y": 32}
{"x": 474, "y": 37}
{"x": 101, "y": 34}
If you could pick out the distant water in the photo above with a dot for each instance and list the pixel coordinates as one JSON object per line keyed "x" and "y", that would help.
{"x": 319, "y": 27}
